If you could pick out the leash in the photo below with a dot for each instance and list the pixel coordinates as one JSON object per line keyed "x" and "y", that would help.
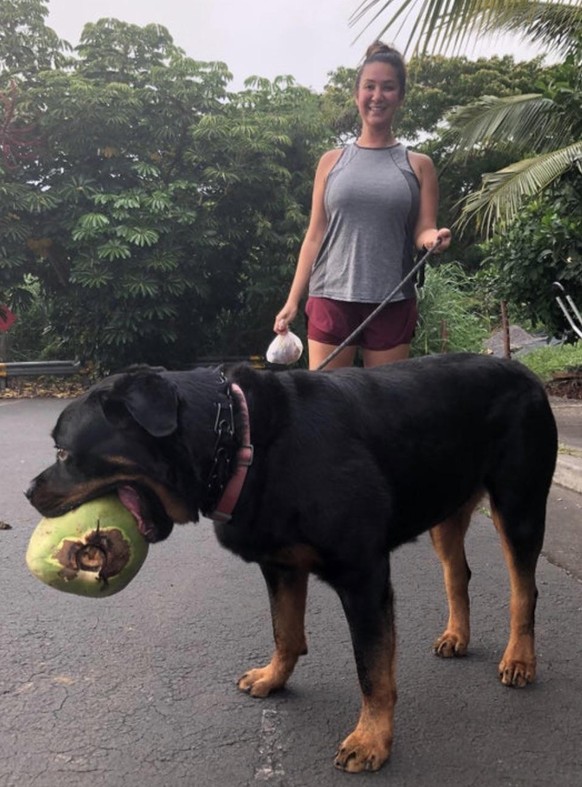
{"x": 422, "y": 261}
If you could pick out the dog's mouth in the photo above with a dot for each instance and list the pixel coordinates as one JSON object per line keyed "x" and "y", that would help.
{"x": 151, "y": 518}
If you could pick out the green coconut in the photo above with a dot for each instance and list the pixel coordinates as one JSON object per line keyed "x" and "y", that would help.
{"x": 94, "y": 550}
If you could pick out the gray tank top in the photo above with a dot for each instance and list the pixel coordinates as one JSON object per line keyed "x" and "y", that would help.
{"x": 371, "y": 201}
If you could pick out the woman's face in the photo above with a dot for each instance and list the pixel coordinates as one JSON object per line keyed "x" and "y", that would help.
{"x": 379, "y": 94}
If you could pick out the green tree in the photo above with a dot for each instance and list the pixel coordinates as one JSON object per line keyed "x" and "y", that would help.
{"x": 27, "y": 45}
{"x": 261, "y": 154}
{"x": 542, "y": 245}
{"x": 158, "y": 211}
{"x": 544, "y": 127}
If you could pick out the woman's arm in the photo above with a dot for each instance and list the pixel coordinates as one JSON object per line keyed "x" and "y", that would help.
{"x": 426, "y": 233}
{"x": 311, "y": 243}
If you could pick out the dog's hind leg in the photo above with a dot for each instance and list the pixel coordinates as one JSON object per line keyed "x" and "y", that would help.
{"x": 519, "y": 484}
{"x": 287, "y": 595}
{"x": 368, "y": 605}
{"x": 448, "y": 539}
{"x": 521, "y": 538}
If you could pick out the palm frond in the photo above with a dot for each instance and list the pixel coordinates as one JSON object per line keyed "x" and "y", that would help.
{"x": 556, "y": 26}
{"x": 503, "y": 193}
{"x": 523, "y": 122}
{"x": 446, "y": 26}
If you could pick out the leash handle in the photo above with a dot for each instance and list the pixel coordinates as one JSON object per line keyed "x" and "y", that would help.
{"x": 378, "y": 308}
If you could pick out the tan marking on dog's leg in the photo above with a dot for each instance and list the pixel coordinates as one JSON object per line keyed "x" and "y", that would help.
{"x": 517, "y": 668}
{"x": 368, "y": 747}
{"x": 448, "y": 539}
{"x": 287, "y": 594}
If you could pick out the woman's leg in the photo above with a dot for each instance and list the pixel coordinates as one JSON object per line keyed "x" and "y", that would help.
{"x": 379, "y": 357}
{"x": 318, "y": 352}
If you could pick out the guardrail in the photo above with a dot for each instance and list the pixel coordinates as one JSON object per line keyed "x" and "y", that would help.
{"x": 36, "y": 369}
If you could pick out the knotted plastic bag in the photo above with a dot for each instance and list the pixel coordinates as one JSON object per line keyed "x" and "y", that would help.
{"x": 285, "y": 349}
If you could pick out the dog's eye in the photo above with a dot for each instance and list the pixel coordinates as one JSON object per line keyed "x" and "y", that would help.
{"x": 62, "y": 454}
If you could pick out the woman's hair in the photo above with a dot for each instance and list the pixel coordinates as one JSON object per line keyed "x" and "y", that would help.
{"x": 378, "y": 52}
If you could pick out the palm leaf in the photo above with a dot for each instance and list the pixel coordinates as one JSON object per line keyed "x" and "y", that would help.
{"x": 503, "y": 193}
{"x": 523, "y": 122}
{"x": 555, "y": 26}
{"x": 446, "y": 26}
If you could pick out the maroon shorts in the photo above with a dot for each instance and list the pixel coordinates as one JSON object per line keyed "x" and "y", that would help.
{"x": 331, "y": 322}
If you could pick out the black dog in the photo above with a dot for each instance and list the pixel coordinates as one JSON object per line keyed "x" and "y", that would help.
{"x": 347, "y": 466}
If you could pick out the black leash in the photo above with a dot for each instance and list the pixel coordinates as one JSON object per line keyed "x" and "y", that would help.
{"x": 378, "y": 309}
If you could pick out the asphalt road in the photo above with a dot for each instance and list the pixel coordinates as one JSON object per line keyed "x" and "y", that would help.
{"x": 138, "y": 690}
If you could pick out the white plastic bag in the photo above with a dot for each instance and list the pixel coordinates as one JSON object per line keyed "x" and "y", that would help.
{"x": 285, "y": 349}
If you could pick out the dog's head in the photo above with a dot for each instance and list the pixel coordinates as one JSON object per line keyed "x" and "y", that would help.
{"x": 124, "y": 434}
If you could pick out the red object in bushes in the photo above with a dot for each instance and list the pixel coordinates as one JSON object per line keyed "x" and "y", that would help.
{"x": 7, "y": 318}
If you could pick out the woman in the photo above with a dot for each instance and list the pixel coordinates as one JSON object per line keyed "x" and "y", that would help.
{"x": 373, "y": 203}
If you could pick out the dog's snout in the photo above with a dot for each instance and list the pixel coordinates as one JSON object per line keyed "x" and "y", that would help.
{"x": 32, "y": 491}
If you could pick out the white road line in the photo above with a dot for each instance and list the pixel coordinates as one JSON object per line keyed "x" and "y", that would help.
{"x": 270, "y": 748}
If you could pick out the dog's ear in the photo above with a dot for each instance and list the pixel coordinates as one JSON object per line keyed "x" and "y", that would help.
{"x": 148, "y": 398}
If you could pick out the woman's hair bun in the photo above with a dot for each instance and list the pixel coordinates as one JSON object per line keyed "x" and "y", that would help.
{"x": 378, "y": 48}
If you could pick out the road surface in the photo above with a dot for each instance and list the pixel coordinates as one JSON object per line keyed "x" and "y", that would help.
{"x": 138, "y": 690}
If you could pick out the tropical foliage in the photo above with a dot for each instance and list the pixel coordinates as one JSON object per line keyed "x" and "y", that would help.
{"x": 542, "y": 246}
{"x": 147, "y": 213}
{"x": 450, "y": 25}
{"x": 149, "y": 208}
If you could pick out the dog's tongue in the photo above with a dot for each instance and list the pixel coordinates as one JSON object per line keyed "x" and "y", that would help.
{"x": 129, "y": 498}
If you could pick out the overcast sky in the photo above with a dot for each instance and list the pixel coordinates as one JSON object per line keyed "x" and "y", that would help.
{"x": 304, "y": 38}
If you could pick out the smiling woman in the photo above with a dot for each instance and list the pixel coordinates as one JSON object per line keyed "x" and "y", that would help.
{"x": 374, "y": 203}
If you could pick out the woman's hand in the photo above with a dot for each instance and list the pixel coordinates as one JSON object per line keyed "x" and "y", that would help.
{"x": 284, "y": 318}
{"x": 443, "y": 237}
{"x": 437, "y": 240}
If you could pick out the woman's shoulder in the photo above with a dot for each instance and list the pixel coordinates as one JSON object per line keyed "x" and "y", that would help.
{"x": 330, "y": 157}
{"x": 419, "y": 158}
{"x": 420, "y": 162}
{"x": 327, "y": 162}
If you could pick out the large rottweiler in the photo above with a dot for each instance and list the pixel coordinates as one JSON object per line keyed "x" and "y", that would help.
{"x": 344, "y": 466}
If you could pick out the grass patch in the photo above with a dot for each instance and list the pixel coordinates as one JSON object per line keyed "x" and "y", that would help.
{"x": 548, "y": 361}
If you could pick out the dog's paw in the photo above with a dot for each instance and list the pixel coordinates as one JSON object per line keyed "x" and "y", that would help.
{"x": 260, "y": 682}
{"x": 361, "y": 752}
{"x": 517, "y": 674}
{"x": 450, "y": 644}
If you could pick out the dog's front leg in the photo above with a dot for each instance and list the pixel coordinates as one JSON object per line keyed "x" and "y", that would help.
{"x": 369, "y": 609}
{"x": 287, "y": 595}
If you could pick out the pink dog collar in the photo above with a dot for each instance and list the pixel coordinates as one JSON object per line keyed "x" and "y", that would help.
{"x": 244, "y": 459}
